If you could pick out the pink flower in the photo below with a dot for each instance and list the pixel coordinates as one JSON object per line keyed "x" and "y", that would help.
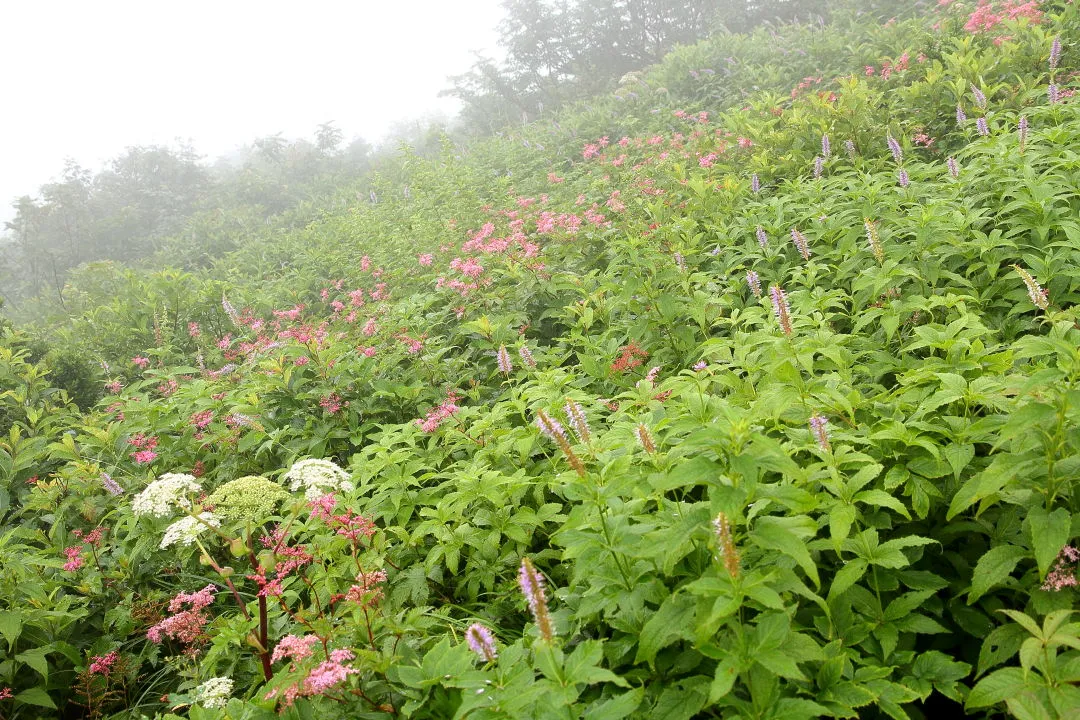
{"x": 193, "y": 329}
{"x": 325, "y": 676}
{"x": 366, "y": 592}
{"x": 74, "y": 556}
{"x": 425, "y": 259}
{"x": 294, "y": 647}
{"x": 468, "y": 267}
{"x": 102, "y": 664}
{"x": 201, "y": 419}
{"x": 184, "y": 625}
{"x": 370, "y": 327}
{"x": 142, "y": 362}
{"x": 331, "y": 403}
{"x": 745, "y": 142}
{"x": 437, "y": 415}
{"x": 144, "y": 457}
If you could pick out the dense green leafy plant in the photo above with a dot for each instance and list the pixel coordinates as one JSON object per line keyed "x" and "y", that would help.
{"x": 698, "y": 404}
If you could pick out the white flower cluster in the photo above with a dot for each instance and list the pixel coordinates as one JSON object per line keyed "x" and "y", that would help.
{"x": 214, "y": 693}
{"x": 185, "y": 530}
{"x": 318, "y": 477}
{"x": 164, "y": 495}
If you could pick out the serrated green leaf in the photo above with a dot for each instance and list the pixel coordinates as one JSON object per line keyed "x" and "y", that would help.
{"x": 993, "y": 567}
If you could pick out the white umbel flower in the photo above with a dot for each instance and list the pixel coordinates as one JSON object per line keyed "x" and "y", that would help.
{"x": 318, "y": 478}
{"x": 214, "y": 693}
{"x": 163, "y": 496}
{"x": 185, "y": 530}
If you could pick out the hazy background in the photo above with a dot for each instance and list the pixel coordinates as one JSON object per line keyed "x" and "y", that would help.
{"x": 84, "y": 80}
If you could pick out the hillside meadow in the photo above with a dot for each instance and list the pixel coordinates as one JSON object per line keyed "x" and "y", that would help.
{"x": 749, "y": 390}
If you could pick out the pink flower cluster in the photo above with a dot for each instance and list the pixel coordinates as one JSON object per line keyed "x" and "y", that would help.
{"x": 74, "y": 558}
{"x": 437, "y": 415}
{"x": 144, "y": 448}
{"x": 102, "y": 664}
{"x": 201, "y": 419}
{"x": 366, "y": 591}
{"x": 1063, "y": 574}
{"x": 291, "y": 558}
{"x": 347, "y": 524}
{"x": 322, "y": 678}
{"x": 294, "y": 647}
{"x": 184, "y": 625}
{"x": 988, "y": 15}
{"x": 332, "y": 404}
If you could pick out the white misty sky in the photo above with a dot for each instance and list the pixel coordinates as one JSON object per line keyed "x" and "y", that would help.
{"x": 86, "y": 79}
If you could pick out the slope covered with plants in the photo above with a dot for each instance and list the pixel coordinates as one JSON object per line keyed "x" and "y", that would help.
{"x": 748, "y": 391}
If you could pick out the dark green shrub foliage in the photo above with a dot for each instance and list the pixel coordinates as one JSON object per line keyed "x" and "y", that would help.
{"x": 747, "y": 391}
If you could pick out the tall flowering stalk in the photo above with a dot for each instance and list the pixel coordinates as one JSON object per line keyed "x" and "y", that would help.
{"x": 755, "y": 183}
{"x": 819, "y": 166}
{"x": 503, "y": 357}
{"x": 762, "y": 238}
{"x": 1035, "y": 291}
{"x": 894, "y": 148}
{"x": 954, "y": 167}
{"x": 902, "y": 178}
{"x": 725, "y": 541}
{"x": 819, "y": 429}
{"x": 527, "y": 356}
{"x": 1023, "y": 130}
{"x": 1055, "y": 53}
{"x": 826, "y": 146}
{"x": 554, "y": 430}
{"x": 578, "y": 422}
{"x": 980, "y": 98}
{"x": 754, "y": 282}
{"x": 481, "y": 642}
{"x": 780, "y": 307}
{"x": 641, "y": 432}
{"x": 982, "y": 127}
{"x": 227, "y": 306}
{"x": 874, "y": 240}
{"x": 849, "y": 145}
{"x": 532, "y": 587}
{"x": 961, "y": 116}
{"x": 801, "y": 243}
{"x": 1052, "y": 94}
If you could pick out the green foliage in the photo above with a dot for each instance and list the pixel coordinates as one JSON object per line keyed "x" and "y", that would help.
{"x": 759, "y": 480}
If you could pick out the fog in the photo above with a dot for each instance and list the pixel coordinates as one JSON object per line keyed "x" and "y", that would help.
{"x": 84, "y": 80}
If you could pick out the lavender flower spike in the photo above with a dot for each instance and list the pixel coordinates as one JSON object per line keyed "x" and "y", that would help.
{"x": 1055, "y": 53}
{"x": 780, "y": 307}
{"x": 503, "y": 357}
{"x": 818, "y": 428}
{"x": 894, "y": 148}
{"x": 754, "y": 282}
{"x": 980, "y": 98}
{"x": 801, "y": 243}
{"x": 481, "y": 642}
{"x": 532, "y": 587}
